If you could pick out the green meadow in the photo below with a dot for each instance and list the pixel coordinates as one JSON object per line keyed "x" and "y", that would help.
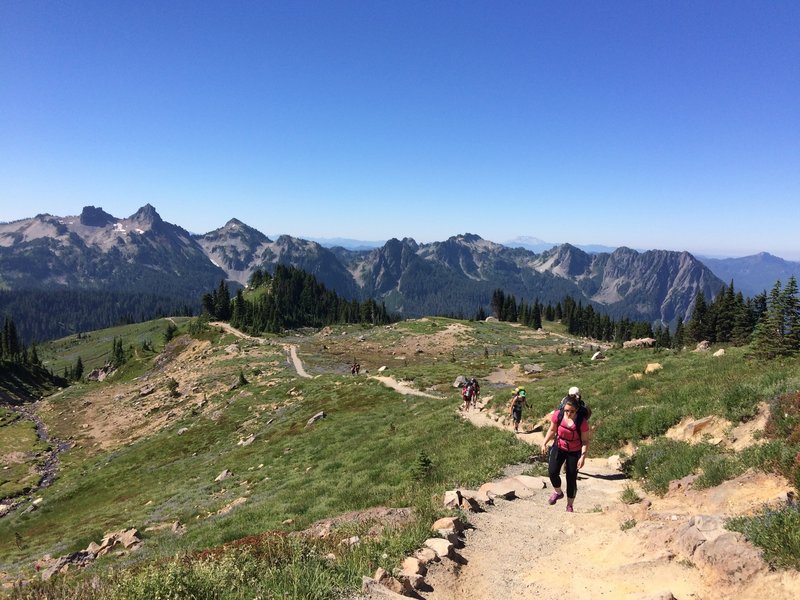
{"x": 375, "y": 447}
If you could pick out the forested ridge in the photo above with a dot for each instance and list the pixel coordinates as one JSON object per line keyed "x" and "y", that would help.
{"x": 42, "y": 315}
{"x": 770, "y": 322}
{"x": 288, "y": 299}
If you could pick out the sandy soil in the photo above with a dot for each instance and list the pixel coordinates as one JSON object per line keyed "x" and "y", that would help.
{"x": 526, "y": 549}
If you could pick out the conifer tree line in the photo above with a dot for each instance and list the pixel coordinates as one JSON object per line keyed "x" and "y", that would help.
{"x": 769, "y": 322}
{"x": 288, "y": 299}
{"x": 580, "y": 320}
{"x": 12, "y": 349}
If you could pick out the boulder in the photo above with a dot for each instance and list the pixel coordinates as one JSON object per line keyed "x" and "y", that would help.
{"x": 720, "y": 352}
{"x": 647, "y": 342}
{"x": 703, "y": 346}
{"x": 440, "y": 546}
{"x": 732, "y": 558}
{"x": 225, "y": 474}
{"x": 531, "y": 369}
{"x": 460, "y": 381}
{"x": 320, "y": 415}
{"x": 247, "y": 441}
{"x": 652, "y": 368}
{"x": 373, "y": 589}
{"x": 503, "y": 489}
{"x": 229, "y": 507}
{"x": 598, "y": 356}
{"x": 695, "y": 427}
{"x": 448, "y": 525}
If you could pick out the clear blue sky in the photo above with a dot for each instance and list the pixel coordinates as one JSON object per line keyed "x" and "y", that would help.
{"x": 671, "y": 125}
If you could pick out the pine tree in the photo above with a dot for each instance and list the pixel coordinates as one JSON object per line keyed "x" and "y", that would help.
{"x": 77, "y": 371}
{"x": 768, "y": 336}
{"x": 791, "y": 315}
{"x": 697, "y": 326}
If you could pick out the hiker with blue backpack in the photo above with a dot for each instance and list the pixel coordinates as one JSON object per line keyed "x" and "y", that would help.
{"x": 569, "y": 430}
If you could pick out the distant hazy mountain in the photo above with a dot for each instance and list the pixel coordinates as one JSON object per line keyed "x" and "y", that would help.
{"x": 457, "y": 276}
{"x": 535, "y": 244}
{"x": 347, "y": 243}
{"x": 753, "y": 274}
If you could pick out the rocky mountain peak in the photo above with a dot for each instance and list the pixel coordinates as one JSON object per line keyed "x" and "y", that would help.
{"x": 92, "y": 216}
{"x": 146, "y": 216}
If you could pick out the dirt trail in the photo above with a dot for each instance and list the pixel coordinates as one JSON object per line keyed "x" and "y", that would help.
{"x": 298, "y": 364}
{"x": 526, "y": 549}
{"x": 403, "y": 388}
{"x": 290, "y": 348}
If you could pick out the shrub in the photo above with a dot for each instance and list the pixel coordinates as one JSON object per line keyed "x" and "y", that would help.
{"x": 629, "y": 524}
{"x": 716, "y": 469}
{"x": 422, "y": 467}
{"x": 776, "y": 532}
{"x": 665, "y": 460}
{"x": 629, "y": 495}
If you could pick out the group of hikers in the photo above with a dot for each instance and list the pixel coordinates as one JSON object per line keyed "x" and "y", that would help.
{"x": 469, "y": 394}
{"x": 569, "y": 433}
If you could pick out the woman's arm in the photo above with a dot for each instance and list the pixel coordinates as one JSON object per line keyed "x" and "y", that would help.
{"x": 548, "y": 436}
{"x": 586, "y": 437}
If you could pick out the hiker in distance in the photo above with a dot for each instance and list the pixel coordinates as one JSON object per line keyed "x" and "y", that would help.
{"x": 569, "y": 428}
{"x": 515, "y": 407}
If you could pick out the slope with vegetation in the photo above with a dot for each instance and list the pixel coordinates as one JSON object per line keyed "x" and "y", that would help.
{"x": 151, "y": 439}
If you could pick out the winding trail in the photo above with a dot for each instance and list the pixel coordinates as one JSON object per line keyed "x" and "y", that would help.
{"x": 298, "y": 364}
{"x": 526, "y": 549}
{"x": 403, "y": 388}
{"x": 290, "y": 348}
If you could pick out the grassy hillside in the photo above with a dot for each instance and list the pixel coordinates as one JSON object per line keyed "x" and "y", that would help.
{"x": 145, "y": 455}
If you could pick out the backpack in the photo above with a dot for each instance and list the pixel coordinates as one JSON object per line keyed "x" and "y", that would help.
{"x": 584, "y": 412}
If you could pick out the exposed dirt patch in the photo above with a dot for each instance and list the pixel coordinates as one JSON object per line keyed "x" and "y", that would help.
{"x": 402, "y": 387}
{"x": 526, "y": 549}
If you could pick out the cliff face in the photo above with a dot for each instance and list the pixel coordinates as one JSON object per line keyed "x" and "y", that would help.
{"x": 455, "y": 276}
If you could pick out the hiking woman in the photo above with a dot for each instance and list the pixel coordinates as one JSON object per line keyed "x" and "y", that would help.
{"x": 515, "y": 408}
{"x": 572, "y": 436}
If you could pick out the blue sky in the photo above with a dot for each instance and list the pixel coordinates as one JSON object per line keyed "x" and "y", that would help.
{"x": 670, "y": 125}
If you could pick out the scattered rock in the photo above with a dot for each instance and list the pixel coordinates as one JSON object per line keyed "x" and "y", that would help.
{"x": 720, "y": 352}
{"x": 229, "y": 507}
{"x": 703, "y": 346}
{"x": 225, "y": 474}
{"x": 647, "y": 342}
{"x": 315, "y": 418}
{"x": 247, "y": 441}
{"x": 598, "y": 355}
{"x": 652, "y": 368}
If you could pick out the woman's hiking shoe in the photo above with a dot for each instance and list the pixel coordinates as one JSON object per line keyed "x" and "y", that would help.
{"x": 555, "y": 497}
{"x": 569, "y": 508}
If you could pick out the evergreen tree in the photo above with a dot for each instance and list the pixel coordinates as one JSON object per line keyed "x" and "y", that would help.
{"x": 768, "y": 339}
{"x": 536, "y": 321}
{"x": 77, "y": 371}
{"x": 678, "y": 338}
{"x": 791, "y": 315}
{"x": 698, "y": 323}
{"x": 222, "y": 302}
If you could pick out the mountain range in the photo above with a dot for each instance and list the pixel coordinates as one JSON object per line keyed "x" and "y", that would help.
{"x": 143, "y": 253}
